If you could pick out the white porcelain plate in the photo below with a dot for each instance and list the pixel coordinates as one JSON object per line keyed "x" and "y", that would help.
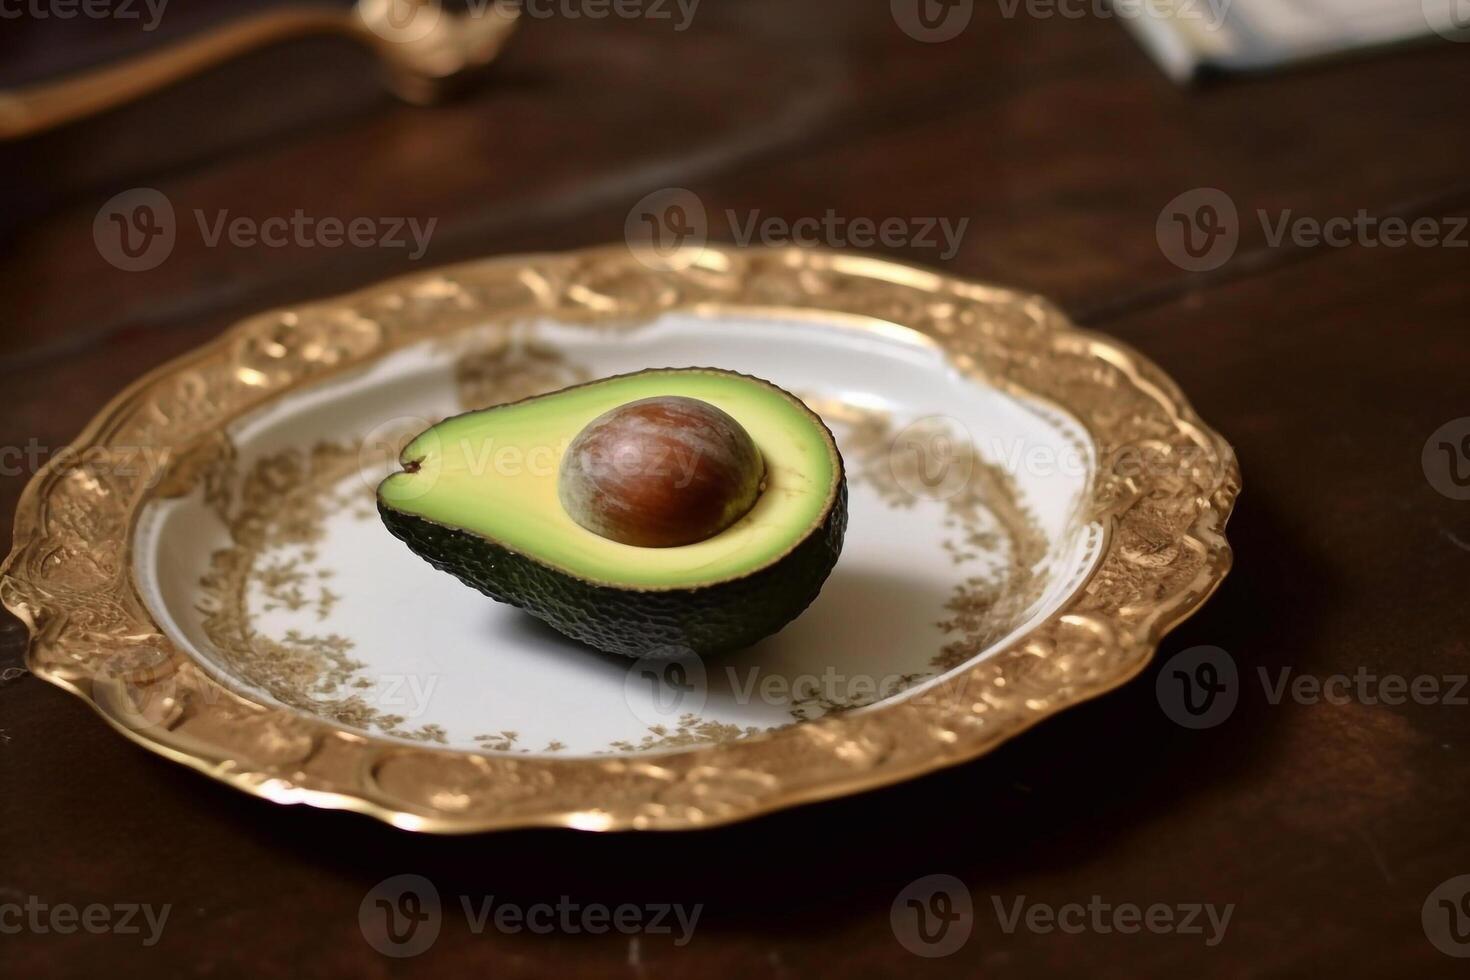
{"x": 965, "y": 502}
{"x": 1031, "y": 507}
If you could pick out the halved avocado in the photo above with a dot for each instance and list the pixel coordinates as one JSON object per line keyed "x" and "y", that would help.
{"x": 478, "y": 497}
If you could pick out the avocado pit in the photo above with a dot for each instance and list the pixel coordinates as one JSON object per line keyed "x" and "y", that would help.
{"x": 661, "y": 472}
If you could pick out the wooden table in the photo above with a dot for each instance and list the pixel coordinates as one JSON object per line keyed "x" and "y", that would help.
{"x": 1326, "y": 825}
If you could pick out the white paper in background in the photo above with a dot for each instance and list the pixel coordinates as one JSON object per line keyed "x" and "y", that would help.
{"x": 1187, "y": 36}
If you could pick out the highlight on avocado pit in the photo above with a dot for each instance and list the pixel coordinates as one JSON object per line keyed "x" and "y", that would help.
{"x": 692, "y": 508}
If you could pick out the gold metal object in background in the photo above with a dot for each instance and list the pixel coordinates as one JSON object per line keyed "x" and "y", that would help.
{"x": 422, "y": 47}
{"x": 1163, "y": 490}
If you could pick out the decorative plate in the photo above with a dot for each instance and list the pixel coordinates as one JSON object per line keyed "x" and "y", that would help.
{"x": 1032, "y": 507}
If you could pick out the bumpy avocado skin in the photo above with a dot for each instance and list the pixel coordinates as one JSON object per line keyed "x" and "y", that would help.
{"x": 710, "y": 619}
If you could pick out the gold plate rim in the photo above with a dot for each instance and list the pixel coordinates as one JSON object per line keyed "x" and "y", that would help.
{"x": 69, "y": 576}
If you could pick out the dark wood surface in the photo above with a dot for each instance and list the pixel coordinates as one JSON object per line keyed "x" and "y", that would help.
{"x": 1326, "y": 825}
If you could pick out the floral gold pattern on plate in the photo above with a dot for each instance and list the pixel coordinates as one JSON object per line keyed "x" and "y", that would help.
{"x": 1033, "y": 507}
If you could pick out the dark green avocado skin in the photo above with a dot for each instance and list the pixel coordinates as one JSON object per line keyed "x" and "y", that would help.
{"x": 707, "y": 620}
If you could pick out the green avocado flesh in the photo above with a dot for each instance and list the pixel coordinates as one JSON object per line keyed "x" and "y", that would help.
{"x": 478, "y": 498}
